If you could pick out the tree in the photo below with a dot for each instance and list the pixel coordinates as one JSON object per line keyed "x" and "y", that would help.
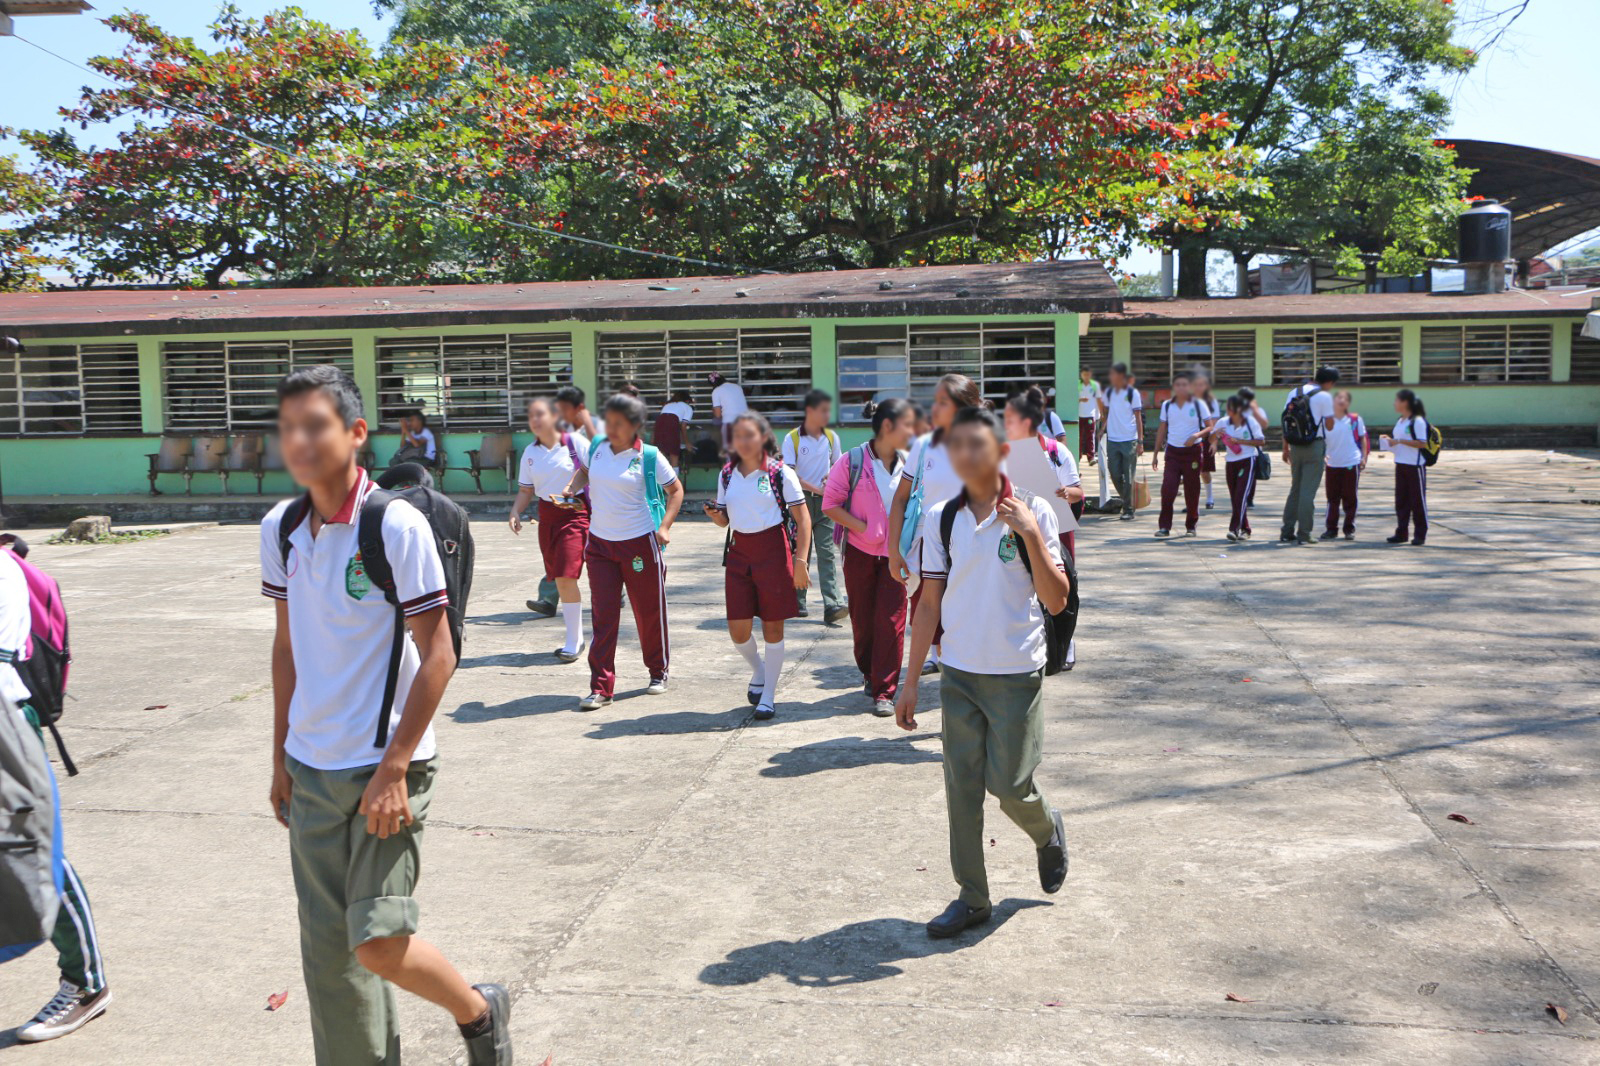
{"x": 539, "y": 35}
{"x": 181, "y": 198}
{"x": 1351, "y": 71}
{"x": 22, "y": 194}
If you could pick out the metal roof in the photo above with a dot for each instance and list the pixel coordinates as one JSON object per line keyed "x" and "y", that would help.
{"x": 1553, "y": 196}
{"x": 1353, "y": 307}
{"x": 44, "y": 7}
{"x": 975, "y": 291}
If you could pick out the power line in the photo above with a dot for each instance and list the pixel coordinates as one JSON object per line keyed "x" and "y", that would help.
{"x": 337, "y": 171}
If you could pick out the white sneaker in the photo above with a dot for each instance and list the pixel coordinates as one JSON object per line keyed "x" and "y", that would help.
{"x": 658, "y": 687}
{"x": 593, "y": 702}
{"x": 69, "y": 1010}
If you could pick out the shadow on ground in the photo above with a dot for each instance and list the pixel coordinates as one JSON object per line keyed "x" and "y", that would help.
{"x": 849, "y": 753}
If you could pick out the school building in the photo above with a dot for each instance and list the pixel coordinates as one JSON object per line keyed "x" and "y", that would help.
{"x": 115, "y": 384}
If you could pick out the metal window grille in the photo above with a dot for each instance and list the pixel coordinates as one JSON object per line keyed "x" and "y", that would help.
{"x": 1229, "y": 356}
{"x": 773, "y": 365}
{"x": 1485, "y": 354}
{"x": 1363, "y": 356}
{"x": 227, "y": 386}
{"x": 1094, "y": 352}
{"x": 67, "y": 389}
{"x": 1585, "y": 355}
{"x": 467, "y": 383}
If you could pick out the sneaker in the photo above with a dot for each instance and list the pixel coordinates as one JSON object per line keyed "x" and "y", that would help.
{"x": 1286, "y": 539}
{"x": 565, "y": 656}
{"x": 1232, "y": 536}
{"x": 1395, "y": 540}
{"x": 1189, "y": 533}
{"x": 542, "y": 608}
{"x": 494, "y": 1047}
{"x": 1418, "y": 543}
{"x": 1349, "y": 536}
{"x": 1163, "y": 532}
{"x": 657, "y": 687}
{"x": 1125, "y": 516}
{"x": 929, "y": 667}
{"x": 1328, "y": 534}
{"x": 1209, "y": 505}
{"x": 802, "y": 611}
{"x": 69, "y": 1010}
{"x": 765, "y": 712}
{"x": 1244, "y": 534}
{"x": 1053, "y": 858}
{"x": 883, "y": 708}
{"x": 593, "y": 702}
{"x": 834, "y": 614}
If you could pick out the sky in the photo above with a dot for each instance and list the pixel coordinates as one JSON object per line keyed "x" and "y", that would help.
{"x": 1534, "y": 88}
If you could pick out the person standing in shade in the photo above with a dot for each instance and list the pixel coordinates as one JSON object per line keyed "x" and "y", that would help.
{"x": 1242, "y": 438}
{"x": 856, "y": 497}
{"x": 547, "y": 468}
{"x": 810, "y": 451}
{"x": 929, "y": 477}
{"x": 1348, "y": 447}
{"x": 1410, "y": 468}
{"x": 759, "y": 500}
{"x": 1308, "y": 415}
{"x": 672, "y": 428}
{"x": 727, "y": 403}
{"x": 1122, "y": 411}
{"x": 1088, "y": 413}
{"x": 351, "y": 782}
{"x": 998, "y": 561}
{"x": 631, "y": 511}
{"x": 1184, "y": 424}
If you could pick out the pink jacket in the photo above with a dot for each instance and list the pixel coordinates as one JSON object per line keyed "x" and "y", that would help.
{"x": 867, "y": 505}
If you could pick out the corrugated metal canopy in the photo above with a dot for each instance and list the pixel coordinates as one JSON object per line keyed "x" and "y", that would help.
{"x": 1553, "y": 196}
{"x": 44, "y": 7}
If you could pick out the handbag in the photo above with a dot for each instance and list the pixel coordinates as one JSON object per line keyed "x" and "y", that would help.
{"x": 1263, "y": 465}
{"x": 911, "y": 525}
{"x": 1141, "y": 493}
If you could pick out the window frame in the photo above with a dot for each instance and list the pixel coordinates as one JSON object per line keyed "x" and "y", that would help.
{"x": 927, "y": 351}
{"x": 49, "y": 390}
{"x": 497, "y": 373}
{"x": 1466, "y": 359}
{"x": 771, "y": 363}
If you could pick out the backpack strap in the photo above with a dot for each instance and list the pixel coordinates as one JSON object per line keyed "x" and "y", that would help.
{"x": 375, "y": 560}
{"x": 594, "y": 446}
{"x": 947, "y": 524}
{"x": 652, "y": 491}
{"x": 775, "y": 475}
{"x": 293, "y": 515}
{"x": 794, "y": 442}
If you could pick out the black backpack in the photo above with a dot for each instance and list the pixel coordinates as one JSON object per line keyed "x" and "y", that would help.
{"x": 1058, "y": 628}
{"x": 1299, "y": 427}
{"x": 452, "y": 533}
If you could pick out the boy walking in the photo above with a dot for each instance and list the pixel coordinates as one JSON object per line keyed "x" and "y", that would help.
{"x": 811, "y": 451}
{"x": 1002, "y": 564}
{"x": 1308, "y": 413}
{"x": 1122, "y": 411}
{"x": 1185, "y": 422}
{"x": 352, "y": 783}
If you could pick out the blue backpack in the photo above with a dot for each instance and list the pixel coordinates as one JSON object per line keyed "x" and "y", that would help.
{"x": 647, "y": 464}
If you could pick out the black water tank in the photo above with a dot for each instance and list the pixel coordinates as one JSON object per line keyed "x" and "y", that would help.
{"x": 1485, "y": 233}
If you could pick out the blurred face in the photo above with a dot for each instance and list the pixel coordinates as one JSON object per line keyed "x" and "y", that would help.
{"x": 619, "y": 431}
{"x": 943, "y": 411}
{"x": 1180, "y": 389}
{"x": 1400, "y": 406}
{"x": 820, "y": 415}
{"x": 569, "y": 414}
{"x": 1119, "y": 381}
{"x": 897, "y": 434}
{"x": 1084, "y": 375}
{"x": 1200, "y": 385}
{"x": 541, "y": 421}
{"x": 1341, "y": 403}
{"x": 974, "y": 453}
{"x": 317, "y": 445}
{"x": 1017, "y": 427}
{"x": 747, "y": 441}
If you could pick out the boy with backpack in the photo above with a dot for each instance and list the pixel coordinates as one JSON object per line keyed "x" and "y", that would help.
{"x": 1185, "y": 422}
{"x": 1307, "y": 417}
{"x": 810, "y": 451}
{"x": 998, "y": 557}
{"x": 365, "y": 644}
{"x": 83, "y": 994}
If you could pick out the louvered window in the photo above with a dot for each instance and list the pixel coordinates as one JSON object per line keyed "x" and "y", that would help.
{"x": 468, "y": 383}
{"x": 229, "y": 386}
{"x": 772, "y": 365}
{"x": 1368, "y": 356}
{"x": 1454, "y": 355}
{"x": 1585, "y": 355}
{"x": 1229, "y": 356}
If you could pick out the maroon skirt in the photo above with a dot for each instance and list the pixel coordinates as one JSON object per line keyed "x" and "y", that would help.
{"x": 563, "y": 533}
{"x": 758, "y": 581}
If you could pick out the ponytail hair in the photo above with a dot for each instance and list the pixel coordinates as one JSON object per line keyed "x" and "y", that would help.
{"x": 1029, "y": 406}
{"x": 769, "y": 443}
{"x": 1413, "y": 403}
{"x": 885, "y": 412}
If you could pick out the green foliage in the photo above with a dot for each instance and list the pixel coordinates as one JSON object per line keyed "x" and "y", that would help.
{"x": 539, "y": 35}
{"x": 24, "y": 194}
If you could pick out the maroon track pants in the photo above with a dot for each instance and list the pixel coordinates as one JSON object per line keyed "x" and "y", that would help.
{"x": 877, "y": 620}
{"x": 1241, "y": 482}
{"x": 1182, "y": 464}
{"x": 1086, "y": 439}
{"x": 1340, "y": 484}
{"x": 1411, "y": 500}
{"x": 636, "y": 564}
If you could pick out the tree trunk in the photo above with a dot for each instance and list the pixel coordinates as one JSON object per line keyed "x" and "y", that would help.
{"x": 1192, "y": 272}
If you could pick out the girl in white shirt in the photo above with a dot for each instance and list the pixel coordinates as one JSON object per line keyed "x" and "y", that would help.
{"x": 1088, "y": 412}
{"x": 1410, "y": 469}
{"x": 1345, "y": 460}
{"x": 548, "y": 465}
{"x": 759, "y": 500}
{"x": 1241, "y": 437}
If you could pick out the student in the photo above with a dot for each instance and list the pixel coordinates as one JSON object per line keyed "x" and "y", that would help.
{"x": 1254, "y": 411}
{"x": 625, "y": 546}
{"x": 1305, "y": 461}
{"x": 810, "y": 451}
{"x": 82, "y": 994}
{"x": 355, "y": 807}
{"x": 767, "y": 558}
{"x": 856, "y": 497}
{"x": 1348, "y": 448}
{"x": 1052, "y": 425}
{"x": 575, "y": 416}
{"x": 1122, "y": 411}
{"x": 1410, "y": 469}
{"x": 672, "y": 428}
{"x": 1201, "y": 387}
{"x": 1183, "y": 426}
{"x": 547, "y": 467}
{"x": 1088, "y": 412}
{"x": 727, "y": 403}
{"x": 417, "y": 442}
{"x": 919, "y": 420}
{"x": 994, "y": 660}
{"x": 1241, "y": 437}
{"x": 928, "y": 473}
{"x": 1024, "y": 418}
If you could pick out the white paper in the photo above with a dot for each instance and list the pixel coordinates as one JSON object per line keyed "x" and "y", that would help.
{"x": 1031, "y": 469}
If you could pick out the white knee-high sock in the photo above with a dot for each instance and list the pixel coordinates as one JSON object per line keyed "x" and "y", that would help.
{"x": 752, "y": 656}
{"x": 572, "y": 614}
{"x": 1210, "y": 499}
{"x": 774, "y": 668}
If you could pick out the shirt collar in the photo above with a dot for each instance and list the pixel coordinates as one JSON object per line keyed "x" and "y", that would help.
{"x": 346, "y": 513}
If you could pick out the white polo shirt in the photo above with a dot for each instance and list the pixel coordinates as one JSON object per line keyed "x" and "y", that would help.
{"x": 939, "y": 480}
{"x": 1321, "y": 404}
{"x": 814, "y": 457}
{"x": 730, "y": 397}
{"x": 548, "y": 471}
{"x": 1246, "y": 431}
{"x": 1123, "y": 415}
{"x": 1053, "y": 426}
{"x": 16, "y": 625}
{"x": 993, "y": 623}
{"x": 341, "y": 628}
{"x": 430, "y": 444}
{"x": 618, "y": 509}
{"x": 751, "y": 499}
{"x": 684, "y": 412}
{"x": 1344, "y": 442}
{"x": 1184, "y": 420}
{"x": 1403, "y": 430}
{"x": 1088, "y": 395}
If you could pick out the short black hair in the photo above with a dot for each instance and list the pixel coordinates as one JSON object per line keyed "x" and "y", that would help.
{"x": 570, "y": 394}
{"x": 339, "y": 387}
{"x": 983, "y": 416}
{"x": 817, "y": 397}
{"x": 1120, "y": 368}
{"x": 1327, "y": 375}
{"x": 1182, "y": 375}
{"x": 629, "y": 407}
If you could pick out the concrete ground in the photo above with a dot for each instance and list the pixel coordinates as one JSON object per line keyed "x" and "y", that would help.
{"x": 1259, "y": 759}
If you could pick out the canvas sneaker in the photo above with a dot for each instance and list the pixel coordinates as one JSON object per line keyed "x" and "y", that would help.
{"x": 657, "y": 687}
{"x": 593, "y": 702}
{"x": 69, "y": 1010}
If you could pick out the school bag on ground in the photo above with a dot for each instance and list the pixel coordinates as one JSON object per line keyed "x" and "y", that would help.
{"x": 452, "y": 535}
{"x": 1299, "y": 427}
{"x": 647, "y": 466}
{"x": 1058, "y": 628}
{"x": 32, "y": 869}
{"x": 1431, "y": 450}
{"x": 44, "y": 661}
{"x": 775, "y": 476}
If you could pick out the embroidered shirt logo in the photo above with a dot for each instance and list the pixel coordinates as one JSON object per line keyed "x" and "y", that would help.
{"x": 356, "y": 582}
{"x": 634, "y": 464}
{"x": 638, "y": 564}
{"x": 1008, "y": 547}
{"x": 764, "y": 484}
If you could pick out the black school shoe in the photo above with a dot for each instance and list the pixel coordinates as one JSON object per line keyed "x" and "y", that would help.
{"x": 1327, "y": 534}
{"x": 753, "y": 695}
{"x": 957, "y": 918}
{"x": 1395, "y": 540}
{"x": 831, "y": 615}
{"x": 542, "y": 609}
{"x": 803, "y": 611}
{"x": 1053, "y": 858}
{"x": 765, "y": 712}
{"x": 494, "y": 1047}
